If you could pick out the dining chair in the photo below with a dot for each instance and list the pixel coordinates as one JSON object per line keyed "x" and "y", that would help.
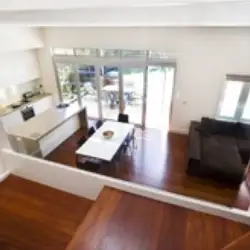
{"x": 91, "y": 131}
{"x": 123, "y": 118}
{"x": 98, "y": 124}
{"x": 88, "y": 164}
{"x": 81, "y": 141}
{"x": 131, "y": 139}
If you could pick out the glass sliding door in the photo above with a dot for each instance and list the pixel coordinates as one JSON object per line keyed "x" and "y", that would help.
{"x": 88, "y": 89}
{"x": 159, "y": 96}
{"x": 110, "y": 91}
{"x": 67, "y": 82}
{"x": 133, "y": 93}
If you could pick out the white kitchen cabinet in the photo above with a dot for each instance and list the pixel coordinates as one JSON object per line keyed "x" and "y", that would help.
{"x": 42, "y": 105}
{"x": 12, "y": 119}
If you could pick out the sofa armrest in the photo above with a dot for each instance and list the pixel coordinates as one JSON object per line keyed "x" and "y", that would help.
{"x": 194, "y": 141}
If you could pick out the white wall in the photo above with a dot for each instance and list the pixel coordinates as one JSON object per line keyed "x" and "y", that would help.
{"x": 89, "y": 185}
{"x": 16, "y": 38}
{"x": 18, "y": 61}
{"x": 18, "y": 65}
{"x": 204, "y": 56}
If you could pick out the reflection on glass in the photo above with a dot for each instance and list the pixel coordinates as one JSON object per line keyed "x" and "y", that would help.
{"x": 67, "y": 82}
{"x": 231, "y": 98}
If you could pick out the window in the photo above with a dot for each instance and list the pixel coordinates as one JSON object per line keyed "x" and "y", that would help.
{"x": 67, "y": 83}
{"x": 63, "y": 51}
{"x": 134, "y": 54}
{"x": 158, "y": 55}
{"x": 235, "y": 102}
{"x": 86, "y": 52}
{"x": 110, "y": 53}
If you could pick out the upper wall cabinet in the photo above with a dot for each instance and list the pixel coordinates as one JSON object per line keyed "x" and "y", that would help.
{"x": 19, "y": 39}
{"x": 18, "y": 67}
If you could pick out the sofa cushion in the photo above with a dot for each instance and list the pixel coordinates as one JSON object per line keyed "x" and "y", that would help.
{"x": 211, "y": 127}
{"x": 221, "y": 156}
{"x": 243, "y": 131}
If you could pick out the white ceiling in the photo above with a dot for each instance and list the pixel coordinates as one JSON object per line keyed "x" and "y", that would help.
{"x": 17, "y": 5}
{"x": 225, "y": 13}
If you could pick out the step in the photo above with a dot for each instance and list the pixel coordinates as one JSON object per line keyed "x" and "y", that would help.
{"x": 119, "y": 220}
{"x": 242, "y": 243}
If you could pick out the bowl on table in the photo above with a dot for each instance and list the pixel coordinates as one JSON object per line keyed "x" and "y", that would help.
{"x": 108, "y": 134}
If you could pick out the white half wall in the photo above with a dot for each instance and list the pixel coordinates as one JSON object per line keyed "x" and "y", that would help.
{"x": 89, "y": 185}
{"x": 203, "y": 55}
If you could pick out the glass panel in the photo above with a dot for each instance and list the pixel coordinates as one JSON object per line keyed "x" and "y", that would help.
{"x": 67, "y": 82}
{"x": 133, "y": 80}
{"x": 110, "y": 92}
{"x": 159, "y": 96}
{"x": 88, "y": 89}
{"x": 158, "y": 55}
{"x": 133, "y": 53}
{"x": 86, "y": 52}
{"x": 246, "y": 112}
{"x": 110, "y": 53}
{"x": 62, "y": 51}
{"x": 231, "y": 98}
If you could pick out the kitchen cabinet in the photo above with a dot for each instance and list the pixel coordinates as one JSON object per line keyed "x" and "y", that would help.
{"x": 42, "y": 105}
{"x": 12, "y": 119}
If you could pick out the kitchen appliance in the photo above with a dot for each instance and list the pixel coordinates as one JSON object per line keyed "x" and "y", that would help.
{"x": 27, "y": 95}
{"x": 28, "y": 112}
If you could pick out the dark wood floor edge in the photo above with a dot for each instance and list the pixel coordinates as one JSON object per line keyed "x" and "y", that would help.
{"x": 191, "y": 203}
{"x": 234, "y": 242}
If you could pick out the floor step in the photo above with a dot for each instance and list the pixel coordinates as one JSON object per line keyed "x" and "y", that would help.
{"x": 242, "y": 243}
{"x": 119, "y": 220}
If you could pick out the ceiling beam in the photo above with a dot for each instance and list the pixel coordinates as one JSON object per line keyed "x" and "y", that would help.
{"x": 213, "y": 14}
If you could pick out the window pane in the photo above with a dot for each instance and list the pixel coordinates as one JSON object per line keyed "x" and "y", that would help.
{"x": 231, "y": 98}
{"x": 63, "y": 51}
{"x": 246, "y": 112}
{"x": 110, "y": 53}
{"x": 86, "y": 52}
{"x": 133, "y": 53}
{"x": 67, "y": 82}
{"x": 88, "y": 88}
{"x": 158, "y": 55}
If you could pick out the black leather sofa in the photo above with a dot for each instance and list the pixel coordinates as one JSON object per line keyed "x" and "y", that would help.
{"x": 218, "y": 150}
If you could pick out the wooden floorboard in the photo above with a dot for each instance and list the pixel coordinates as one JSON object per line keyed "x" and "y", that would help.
{"x": 122, "y": 221}
{"x": 37, "y": 217}
{"x": 160, "y": 161}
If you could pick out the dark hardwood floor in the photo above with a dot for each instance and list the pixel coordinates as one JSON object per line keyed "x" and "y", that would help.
{"x": 111, "y": 224}
{"x": 37, "y": 217}
{"x": 160, "y": 161}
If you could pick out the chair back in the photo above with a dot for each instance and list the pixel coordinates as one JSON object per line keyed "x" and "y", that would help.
{"x": 98, "y": 124}
{"x": 91, "y": 131}
{"x": 81, "y": 141}
{"x": 123, "y": 118}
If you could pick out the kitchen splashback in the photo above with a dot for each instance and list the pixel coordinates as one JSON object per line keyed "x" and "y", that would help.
{"x": 13, "y": 93}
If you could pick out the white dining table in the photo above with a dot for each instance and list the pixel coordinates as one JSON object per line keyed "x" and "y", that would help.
{"x": 100, "y": 148}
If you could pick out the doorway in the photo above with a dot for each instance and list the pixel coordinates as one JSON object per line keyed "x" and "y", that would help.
{"x": 159, "y": 89}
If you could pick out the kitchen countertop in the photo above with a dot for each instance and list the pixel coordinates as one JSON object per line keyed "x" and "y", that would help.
{"x": 7, "y": 110}
{"x": 41, "y": 125}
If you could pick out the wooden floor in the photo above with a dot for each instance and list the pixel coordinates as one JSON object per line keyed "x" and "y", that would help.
{"x": 36, "y": 217}
{"x": 112, "y": 224}
{"x": 160, "y": 161}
